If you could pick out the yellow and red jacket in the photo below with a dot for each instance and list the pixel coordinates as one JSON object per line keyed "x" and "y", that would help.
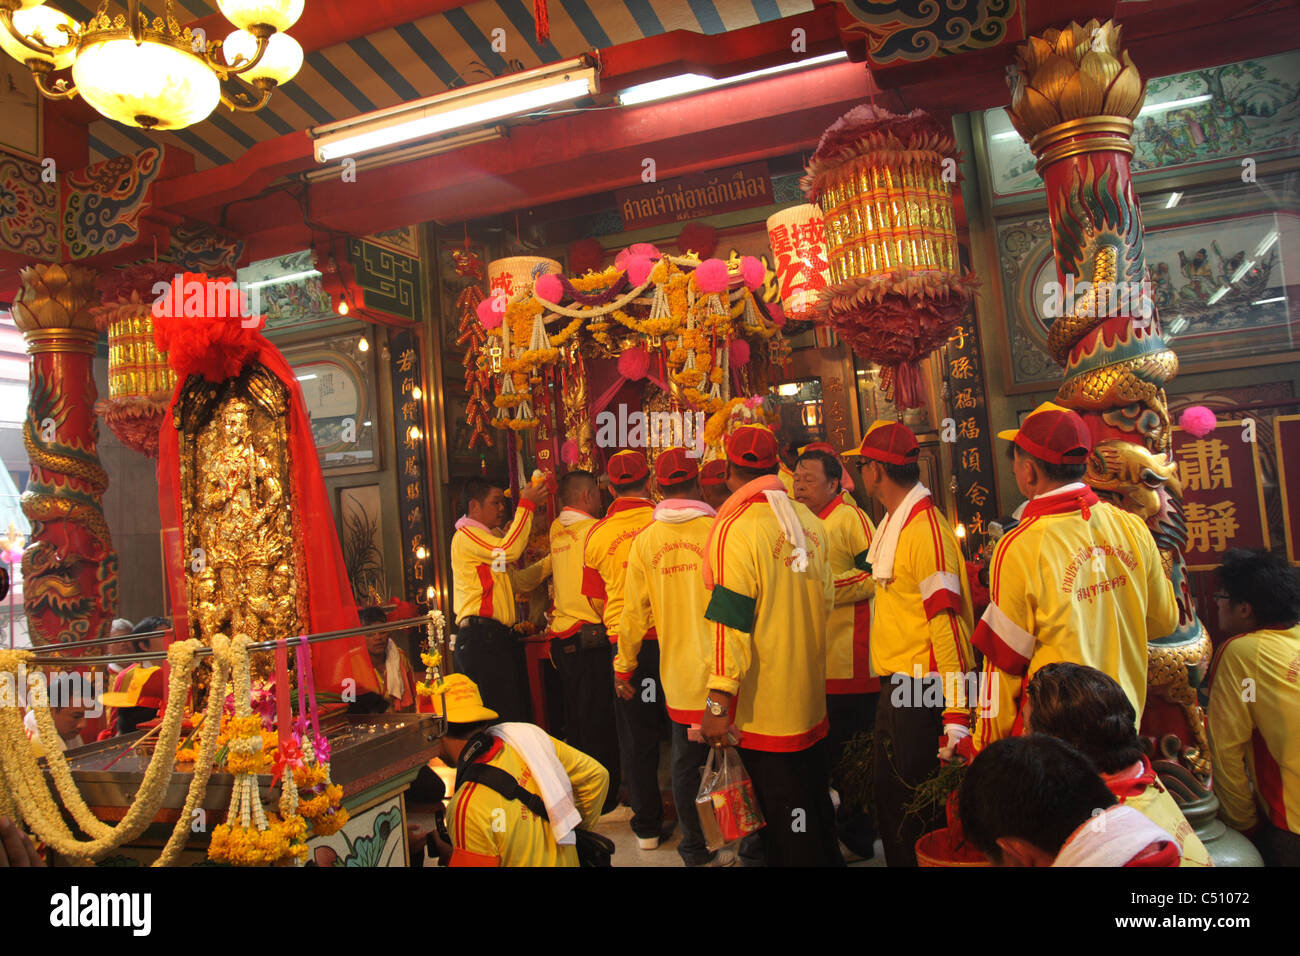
{"x": 848, "y": 661}
{"x": 1077, "y": 580}
{"x": 921, "y": 621}
{"x": 605, "y": 556}
{"x": 1253, "y": 721}
{"x": 487, "y": 829}
{"x": 572, "y": 608}
{"x": 664, "y": 591}
{"x": 479, "y": 566}
{"x": 769, "y": 631}
{"x": 1140, "y": 788}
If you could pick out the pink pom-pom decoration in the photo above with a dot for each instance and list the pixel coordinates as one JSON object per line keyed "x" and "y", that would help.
{"x": 488, "y": 315}
{"x": 634, "y": 363}
{"x": 548, "y": 288}
{"x": 752, "y": 272}
{"x": 646, "y": 249}
{"x": 638, "y": 269}
{"x": 711, "y": 276}
{"x": 739, "y": 353}
{"x": 1197, "y": 421}
{"x": 777, "y": 313}
{"x": 569, "y": 452}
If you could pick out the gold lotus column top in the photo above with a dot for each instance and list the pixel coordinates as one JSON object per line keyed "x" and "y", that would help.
{"x": 52, "y": 309}
{"x": 1072, "y": 81}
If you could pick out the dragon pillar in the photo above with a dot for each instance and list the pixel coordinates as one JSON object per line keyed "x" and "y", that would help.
{"x": 1074, "y": 96}
{"x": 70, "y": 568}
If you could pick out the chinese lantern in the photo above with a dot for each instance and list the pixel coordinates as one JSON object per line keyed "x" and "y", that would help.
{"x": 140, "y": 382}
{"x": 516, "y": 274}
{"x": 798, "y": 239}
{"x": 884, "y": 184}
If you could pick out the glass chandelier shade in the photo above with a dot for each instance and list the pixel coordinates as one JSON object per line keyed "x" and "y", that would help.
{"x": 245, "y": 14}
{"x": 154, "y": 85}
{"x": 280, "y": 62}
{"x": 41, "y": 24}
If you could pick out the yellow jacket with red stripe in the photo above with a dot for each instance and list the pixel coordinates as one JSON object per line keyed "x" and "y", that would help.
{"x": 1254, "y": 716}
{"x": 605, "y": 555}
{"x": 849, "y": 532}
{"x": 487, "y": 829}
{"x": 769, "y": 631}
{"x": 572, "y": 608}
{"x": 1141, "y": 789}
{"x": 480, "y": 577}
{"x": 1077, "y": 580}
{"x": 921, "y": 621}
{"x": 664, "y": 590}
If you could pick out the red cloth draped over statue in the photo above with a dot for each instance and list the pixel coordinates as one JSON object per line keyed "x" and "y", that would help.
{"x": 218, "y": 349}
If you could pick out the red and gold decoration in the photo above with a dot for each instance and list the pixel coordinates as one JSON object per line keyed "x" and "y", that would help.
{"x": 471, "y": 336}
{"x": 70, "y": 567}
{"x": 884, "y": 183}
{"x": 1074, "y": 96}
{"x": 798, "y": 239}
{"x": 140, "y": 382}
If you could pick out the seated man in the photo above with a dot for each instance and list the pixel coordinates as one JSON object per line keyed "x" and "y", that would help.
{"x": 1036, "y": 801}
{"x": 505, "y": 772}
{"x": 392, "y": 668}
{"x": 1090, "y": 712}
{"x": 1255, "y": 703}
{"x": 70, "y": 696}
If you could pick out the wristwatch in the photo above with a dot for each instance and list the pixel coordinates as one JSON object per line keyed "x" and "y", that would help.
{"x": 714, "y": 708}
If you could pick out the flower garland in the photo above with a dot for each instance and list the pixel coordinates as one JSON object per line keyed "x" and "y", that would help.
{"x": 250, "y": 836}
{"x": 29, "y": 794}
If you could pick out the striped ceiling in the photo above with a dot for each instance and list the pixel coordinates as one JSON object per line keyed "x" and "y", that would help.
{"x": 420, "y": 59}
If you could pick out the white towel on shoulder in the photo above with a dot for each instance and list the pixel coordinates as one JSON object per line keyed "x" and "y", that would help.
{"x": 884, "y": 546}
{"x": 790, "y": 527}
{"x": 1112, "y": 838}
{"x": 536, "y": 750}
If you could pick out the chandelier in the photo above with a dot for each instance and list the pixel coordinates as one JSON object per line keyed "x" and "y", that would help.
{"x": 154, "y": 74}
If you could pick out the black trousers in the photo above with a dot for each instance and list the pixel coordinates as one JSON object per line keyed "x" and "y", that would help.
{"x": 850, "y": 715}
{"x": 793, "y": 791}
{"x": 641, "y": 723}
{"x": 689, "y": 758}
{"x": 587, "y": 679}
{"x": 1278, "y": 847}
{"x": 489, "y": 654}
{"x": 906, "y": 752}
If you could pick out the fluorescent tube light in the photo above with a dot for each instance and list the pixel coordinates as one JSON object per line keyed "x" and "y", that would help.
{"x": 1280, "y": 298}
{"x": 1222, "y": 291}
{"x": 1173, "y": 104}
{"x": 504, "y": 96}
{"x": 1264, "y": 245}
{"x": 280, "y": 280}
{"x": 1174, "y": 199}
{"x": 392, "y": 157}
{"x": 1242, "y": 270}
{"x": 694, "y": 82}
{"x": 305, "y": 378}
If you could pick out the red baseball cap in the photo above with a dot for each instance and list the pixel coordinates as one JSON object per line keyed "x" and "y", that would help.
{"x": 846, "y": 481}
{"x": 673, "y": 466}
{"x": 1054, "y": 434}
{"x": 627, "y": 467}
{"x": 713, "y": 473}
{"x": 752, "y": 446}
{"x": 890, "y": 442}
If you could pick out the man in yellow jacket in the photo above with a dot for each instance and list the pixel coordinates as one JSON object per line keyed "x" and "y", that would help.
{"x": 1078, "y": 579}
{"x": 851, "y": 689}
{"x": 639, "y": 719}
{"x": 920, "y": 634}
{"x": 664, "y": 591}
{"x": 713, "y": 483}
{"x": 1090, "y": 712}
{"x": 580, "y": 648}
{"x": 491, "y": 828}
{"x": 1255, "y": 703}
{"x": 771, "y": 592}
{"x": 487, "y": 649}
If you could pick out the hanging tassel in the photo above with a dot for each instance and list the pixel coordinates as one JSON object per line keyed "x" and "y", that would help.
{"x": 539, "y": 340}
{"x": 543, "y": 20}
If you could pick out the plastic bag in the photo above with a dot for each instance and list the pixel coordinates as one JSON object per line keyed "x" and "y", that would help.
{"x": 726, "y": 804}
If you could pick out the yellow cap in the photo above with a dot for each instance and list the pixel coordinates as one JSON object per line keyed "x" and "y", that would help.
{"x": 144, "y": 689}
{"x": 464, "y": 703}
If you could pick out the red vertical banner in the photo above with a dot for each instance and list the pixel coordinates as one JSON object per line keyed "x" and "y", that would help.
{"x": 1223, "y": 492}
{"x": 1286, "y": 431}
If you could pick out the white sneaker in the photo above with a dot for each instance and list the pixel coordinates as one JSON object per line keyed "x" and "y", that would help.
{"x": 647, "y": 843}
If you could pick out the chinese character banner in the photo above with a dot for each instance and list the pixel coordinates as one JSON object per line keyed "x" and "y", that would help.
{"x": 1286, "y": 428}
{"x": 1223, "y": 495}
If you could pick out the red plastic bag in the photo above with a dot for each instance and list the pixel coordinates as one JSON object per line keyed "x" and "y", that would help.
{"x": 726, "y": 804}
